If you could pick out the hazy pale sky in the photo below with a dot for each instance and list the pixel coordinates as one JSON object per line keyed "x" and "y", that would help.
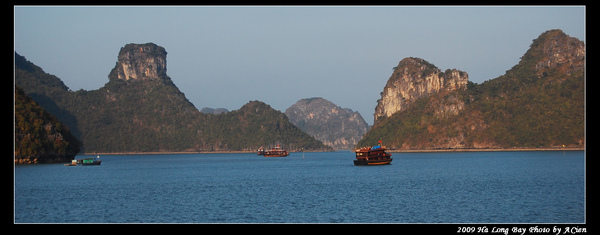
{"x": 223, "y": 57}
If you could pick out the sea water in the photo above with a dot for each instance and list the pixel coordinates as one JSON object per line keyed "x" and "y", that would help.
{"x": 454, "y": 187}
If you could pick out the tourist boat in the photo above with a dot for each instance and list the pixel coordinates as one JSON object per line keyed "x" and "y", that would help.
{"x": 372, "y": 156}
{"x": 276, "y": 152}
{"x": 85, "y": 162}
{"x": 260, "y": 151}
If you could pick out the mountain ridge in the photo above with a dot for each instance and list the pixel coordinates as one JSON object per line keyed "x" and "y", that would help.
{"x": 335, "y": 126}
{"x": 537, "y": 103}
{"x": 140, "y": 109}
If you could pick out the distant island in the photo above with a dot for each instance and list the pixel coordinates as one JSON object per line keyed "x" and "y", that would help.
{"x": 538, "y": 104}
{"x": 141, "y": 110}
{"x": 340, "y": 128}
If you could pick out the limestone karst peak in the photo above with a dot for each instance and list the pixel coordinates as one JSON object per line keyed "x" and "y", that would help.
{"x": 414, "y": 78}
{"x": 335, "y": 126}
{"x": 141, "y": 62}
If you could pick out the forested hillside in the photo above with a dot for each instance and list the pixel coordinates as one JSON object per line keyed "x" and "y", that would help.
{"x": 140, "y": 109}
{"x": 39, "y": 136}
{"x": 537, "y": 103}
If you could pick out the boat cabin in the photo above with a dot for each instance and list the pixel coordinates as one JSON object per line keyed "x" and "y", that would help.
{"x": 372, "y": 156}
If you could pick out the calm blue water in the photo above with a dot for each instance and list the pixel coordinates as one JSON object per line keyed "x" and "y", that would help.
{"x": 473, "y": 187}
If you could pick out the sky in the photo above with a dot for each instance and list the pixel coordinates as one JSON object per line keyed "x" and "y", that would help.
{"x": 226, "y": 56}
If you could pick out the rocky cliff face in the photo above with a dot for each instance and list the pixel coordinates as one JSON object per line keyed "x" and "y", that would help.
{"x": 335, "y": 126}
{"x": 556, "y": 50}
{"x": 414, "y": 78}
{"x": 142, "y": 61}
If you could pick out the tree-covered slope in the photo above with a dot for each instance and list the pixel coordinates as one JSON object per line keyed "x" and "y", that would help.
{"x": 39, "y": 136}
{"x": 537, "y": 103}
{"x": 140, "y": 109}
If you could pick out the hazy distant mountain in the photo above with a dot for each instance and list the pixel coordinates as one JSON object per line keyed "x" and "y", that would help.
{"x": 141, "y": 110}
{"x": 337, "y": 127}
{"x": 538, "y": 103}
{"x": 213, "y": 111}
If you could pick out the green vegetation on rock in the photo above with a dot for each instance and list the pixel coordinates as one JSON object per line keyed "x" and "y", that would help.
{"x": 537, "y": 103}
{"x": 141, "y": 110}
{"x": 39, "y": 136}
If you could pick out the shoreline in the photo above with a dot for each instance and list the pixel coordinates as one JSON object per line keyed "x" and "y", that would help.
{"x": 157, "y": 153}
{"x": 190, "y": 152}
{"x": 389, "y": 150}
{"x": 483, "y": 150}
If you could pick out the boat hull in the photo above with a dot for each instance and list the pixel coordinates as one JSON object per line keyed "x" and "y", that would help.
{"x": 85, "y": 162}
{"x": 95, "y": 163}
{"x": 274, "y": 152}
{"x": 276, "y": 155}
{"x": 372, "y": 162}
